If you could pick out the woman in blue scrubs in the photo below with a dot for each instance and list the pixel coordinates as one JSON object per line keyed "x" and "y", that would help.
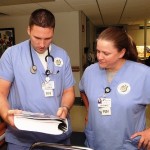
{"x": 117, "y": 91}
{"x": 36, "y": 76}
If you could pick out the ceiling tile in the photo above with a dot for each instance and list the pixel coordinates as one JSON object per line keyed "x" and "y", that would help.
{"x": 135, "y": 12}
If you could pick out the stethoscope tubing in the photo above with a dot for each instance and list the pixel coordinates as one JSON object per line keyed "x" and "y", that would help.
{"x": 33, "y": 69}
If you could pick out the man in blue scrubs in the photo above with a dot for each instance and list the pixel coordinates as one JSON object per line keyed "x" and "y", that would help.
{"x": 36, "y": 76}
{"x": 116, "y": 91}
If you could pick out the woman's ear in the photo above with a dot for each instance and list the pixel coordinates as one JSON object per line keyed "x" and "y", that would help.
{"x": 122, "y": 53}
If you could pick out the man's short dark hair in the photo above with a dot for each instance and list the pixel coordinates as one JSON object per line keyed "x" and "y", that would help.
{"x": 43, "y": 18}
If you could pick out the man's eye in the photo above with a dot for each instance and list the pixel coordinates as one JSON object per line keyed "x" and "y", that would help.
{"x": 37, "y": 38}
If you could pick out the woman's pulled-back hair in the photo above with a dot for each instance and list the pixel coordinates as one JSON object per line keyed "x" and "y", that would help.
{"x": 121, "y": 40}
{"x": 43, "y": 18}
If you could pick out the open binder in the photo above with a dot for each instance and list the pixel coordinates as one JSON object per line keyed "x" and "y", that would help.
{"x": 40, "y": 122}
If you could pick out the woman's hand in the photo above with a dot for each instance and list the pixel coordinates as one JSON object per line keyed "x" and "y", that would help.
{"x": 144, "y": 141}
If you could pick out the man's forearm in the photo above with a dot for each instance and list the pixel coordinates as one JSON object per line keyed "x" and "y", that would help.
{"x": 4, "y": 91}
{"x": 68, "y": 98}
{"x": 4, "y": 107}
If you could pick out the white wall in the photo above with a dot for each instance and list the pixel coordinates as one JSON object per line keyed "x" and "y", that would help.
{"x": 67, "y": 33}
{"x": 67, "y": 36}
{"x": 19, "y": 23}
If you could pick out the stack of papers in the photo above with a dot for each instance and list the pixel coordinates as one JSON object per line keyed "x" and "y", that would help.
{"x": 40, "y": 122}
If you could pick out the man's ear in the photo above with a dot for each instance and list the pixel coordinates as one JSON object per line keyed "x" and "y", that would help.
{"x": 28, "y": 30}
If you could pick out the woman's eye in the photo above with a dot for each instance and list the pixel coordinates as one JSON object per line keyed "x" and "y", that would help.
{"x": 106, "y": 54}
{"x": 98, "y": 51}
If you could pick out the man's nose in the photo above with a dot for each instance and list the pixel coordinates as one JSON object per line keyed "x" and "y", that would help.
{"x": 42, "y": 43}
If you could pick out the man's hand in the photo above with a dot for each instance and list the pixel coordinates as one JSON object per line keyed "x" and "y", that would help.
{"x": 62, "y": 112}
{"x": 10, "y": 116}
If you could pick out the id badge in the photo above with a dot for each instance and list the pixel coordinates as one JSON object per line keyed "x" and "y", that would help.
{"x": 48, "y": 93}
{"x": 51, "y": 85}
{"x": 48, "y": 88}
{"x": 104, "y": 102}
{"x": 105, "y": 111}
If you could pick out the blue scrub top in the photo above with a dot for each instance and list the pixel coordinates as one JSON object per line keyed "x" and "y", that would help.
{"x": 26, "y": 91}
{"x": 112, "y": 132}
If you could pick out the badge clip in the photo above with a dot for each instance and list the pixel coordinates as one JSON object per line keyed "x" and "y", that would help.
{"x": 107, "y": 89}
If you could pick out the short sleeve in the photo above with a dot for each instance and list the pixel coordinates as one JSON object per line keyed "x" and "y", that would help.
{"x": 6, "y": 69}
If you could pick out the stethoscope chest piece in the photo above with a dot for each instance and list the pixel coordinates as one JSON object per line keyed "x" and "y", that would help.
{"x": 33, "y": 69}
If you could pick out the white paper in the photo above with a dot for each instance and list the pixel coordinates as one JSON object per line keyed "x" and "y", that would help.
{"x": 39, "y": 122}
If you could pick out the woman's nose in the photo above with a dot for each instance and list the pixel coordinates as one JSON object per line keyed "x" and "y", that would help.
{"x": 99, "y": 56}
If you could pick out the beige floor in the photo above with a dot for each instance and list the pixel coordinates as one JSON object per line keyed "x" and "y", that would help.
{"x": 148, "y": 116}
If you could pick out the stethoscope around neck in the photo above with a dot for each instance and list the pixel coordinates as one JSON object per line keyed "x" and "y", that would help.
{"x": 33, "y": 68}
